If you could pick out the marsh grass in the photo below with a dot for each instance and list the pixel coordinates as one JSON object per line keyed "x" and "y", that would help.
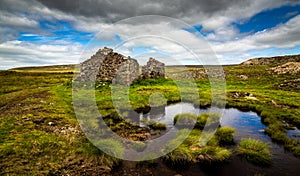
{"x": 191, "y": 152}
{"x": 33, "y": 97}
{"x": 157, "y": 126}
{"x": 254, "y": 151}
{"x": 212, "y": 155}
{"x": 198, "y": 121}
{"x": 225, "y": 135}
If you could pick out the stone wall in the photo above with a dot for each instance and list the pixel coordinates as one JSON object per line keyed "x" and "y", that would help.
{"x": 127, "y": 72}
{"x": 107, "y": 65}
{"x": 153, "y": 69}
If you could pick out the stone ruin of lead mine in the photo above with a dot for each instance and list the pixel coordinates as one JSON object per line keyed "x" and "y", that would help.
{"x": 107, "y": 65}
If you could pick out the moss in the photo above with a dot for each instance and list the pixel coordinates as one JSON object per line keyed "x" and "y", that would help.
{"x": 254, "y": 151}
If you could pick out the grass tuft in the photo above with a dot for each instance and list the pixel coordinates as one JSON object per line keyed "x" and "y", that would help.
{"x": 225, "y": 135}
{"x": 254, "y": 151}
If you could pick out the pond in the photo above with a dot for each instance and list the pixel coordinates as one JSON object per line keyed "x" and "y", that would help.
{"x": 247, "y": 125}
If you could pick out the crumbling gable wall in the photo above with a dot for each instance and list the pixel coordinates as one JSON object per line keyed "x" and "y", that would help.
{"x": 153, "y": 69}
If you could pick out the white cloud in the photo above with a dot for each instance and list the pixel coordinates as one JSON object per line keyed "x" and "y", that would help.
{"x": 96, "y": 16}
{"x": 284, "y": 35}
{"x": 29, "y": 54}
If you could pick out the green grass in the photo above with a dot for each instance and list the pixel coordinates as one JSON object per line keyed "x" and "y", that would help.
{"x": 185, "y": 119}
{"x": 157, "y": 126}
{"x": 28, "y": 145}
{"x": 190, "y": 151}
{"x": 212, "y": 154}
{"x": 225, "y": 135}
{"x": 254, "y": 151}
{"x": 33, "y": 97}
{"x": 199, "y": 121}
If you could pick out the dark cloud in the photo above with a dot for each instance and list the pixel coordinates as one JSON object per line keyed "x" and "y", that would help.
{"x": 18, "y": 17}
{"x": 113, "y": 10}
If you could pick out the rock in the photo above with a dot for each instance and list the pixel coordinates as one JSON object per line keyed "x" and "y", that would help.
{"x": 290, "y": 84}
{"x": 287, "y": 68}
{"x": 244, "y": 77}
{"x": 236, "y": 95}
{"x": 274, "y": 103}
{"x": 51, "y": 123}
{"x": 292, "y": 128}
{"x": 251, "y": 98}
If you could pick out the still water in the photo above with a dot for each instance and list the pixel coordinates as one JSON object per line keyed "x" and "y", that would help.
{"x": 247, "y": 125}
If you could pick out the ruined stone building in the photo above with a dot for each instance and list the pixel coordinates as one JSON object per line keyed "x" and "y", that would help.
{"x": 153, "y": 69}
{"x": 107, "y": 65}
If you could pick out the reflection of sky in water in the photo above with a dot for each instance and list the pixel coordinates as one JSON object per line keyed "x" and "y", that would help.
{"x": 248, "y": 124}
{"x": 294, "y": 134}
{"x": 167, "y": 115}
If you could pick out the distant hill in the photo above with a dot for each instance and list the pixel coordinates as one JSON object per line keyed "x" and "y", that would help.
{"x": 272, "y": 61}
{"x": 50, "y": 68}
{"x": 277, "y": 60}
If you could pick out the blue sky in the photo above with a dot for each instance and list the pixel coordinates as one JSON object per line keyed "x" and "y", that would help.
{"x": 267, "y": 19}
{"x": 38, "y": 32}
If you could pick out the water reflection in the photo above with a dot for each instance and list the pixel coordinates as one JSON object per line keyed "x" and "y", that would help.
{"x": 294, "y": 134}
{"x": 248, "y": 125}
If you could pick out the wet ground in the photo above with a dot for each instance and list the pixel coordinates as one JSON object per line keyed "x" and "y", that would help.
{"x": 247, "y": 125}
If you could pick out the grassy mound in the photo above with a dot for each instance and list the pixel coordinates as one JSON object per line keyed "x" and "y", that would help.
{"x": 200, "y": 121}
{"x": 254, "y": 151}
{"x": 191, "y": 152}
{"x": 225, "y": 135}
{"x": 185, "y": 119}
{"x": 212, "y": 154}
{"x": 157, "y": 126}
